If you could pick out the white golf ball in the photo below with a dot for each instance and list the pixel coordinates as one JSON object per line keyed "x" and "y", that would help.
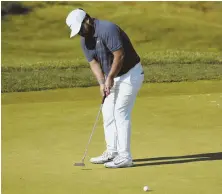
{"x": 145, "y": 188}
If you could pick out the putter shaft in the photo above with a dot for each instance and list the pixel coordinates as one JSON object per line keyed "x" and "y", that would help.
{"x": 94, "y": 127}
{"x": 90, "y": 138}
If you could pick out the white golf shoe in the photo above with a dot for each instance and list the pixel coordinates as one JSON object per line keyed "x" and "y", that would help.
{"x": 107, "y": 156}
{"x": 119, "y": 162}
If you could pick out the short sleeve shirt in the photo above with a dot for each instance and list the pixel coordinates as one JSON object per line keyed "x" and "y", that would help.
{"x": 107, "y": 39}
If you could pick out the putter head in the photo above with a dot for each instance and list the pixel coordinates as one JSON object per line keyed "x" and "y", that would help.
{"x": 79, "y": 164}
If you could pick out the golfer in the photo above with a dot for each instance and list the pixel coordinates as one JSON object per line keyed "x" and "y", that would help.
{"x": 117, "y": 67}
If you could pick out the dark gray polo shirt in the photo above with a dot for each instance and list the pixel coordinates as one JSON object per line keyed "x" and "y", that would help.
{"x": 108, "y": 38}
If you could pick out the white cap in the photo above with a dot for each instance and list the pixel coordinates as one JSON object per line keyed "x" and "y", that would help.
{"x": 74, "y": 21}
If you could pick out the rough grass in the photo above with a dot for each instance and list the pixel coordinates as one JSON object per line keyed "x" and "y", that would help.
{"x": 158, "y": 66}
{"x": 177, "y": 41}
{"x": 42, "y": 35}
{"x": 176, "y": 141}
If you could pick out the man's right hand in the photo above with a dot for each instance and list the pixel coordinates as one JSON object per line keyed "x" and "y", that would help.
{"x": 102, "y": 89}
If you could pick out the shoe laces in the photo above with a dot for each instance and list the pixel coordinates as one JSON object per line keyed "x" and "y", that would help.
{"x": 106, "y": 154}
{"x": 118, "y": 158}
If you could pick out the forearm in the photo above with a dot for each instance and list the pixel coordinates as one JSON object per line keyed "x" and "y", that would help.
{"x": 116, "y": 65}
{"x": 97, "y": 71}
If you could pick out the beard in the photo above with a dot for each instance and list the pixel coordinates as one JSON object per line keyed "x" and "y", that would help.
{"x": 89, "y": 31}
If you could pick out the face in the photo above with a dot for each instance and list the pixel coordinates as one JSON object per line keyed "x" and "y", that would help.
{"x": 86, "y": 29}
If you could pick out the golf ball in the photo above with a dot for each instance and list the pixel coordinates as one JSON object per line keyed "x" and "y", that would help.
{"x": 145, "y": 188}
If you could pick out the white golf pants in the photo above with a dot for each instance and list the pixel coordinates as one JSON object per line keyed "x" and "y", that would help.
{"x": 117, "y": 110}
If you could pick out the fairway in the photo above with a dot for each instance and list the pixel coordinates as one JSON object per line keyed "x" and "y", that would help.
{"x": 176, "y": 141}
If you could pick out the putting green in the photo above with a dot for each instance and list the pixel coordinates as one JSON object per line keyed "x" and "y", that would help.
{"x": 177, "y": 130}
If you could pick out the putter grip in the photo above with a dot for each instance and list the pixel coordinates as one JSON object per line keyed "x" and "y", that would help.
{"x": 104, "y": 97}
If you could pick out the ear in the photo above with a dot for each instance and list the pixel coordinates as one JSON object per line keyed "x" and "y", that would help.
{"x": 90, "y": 22}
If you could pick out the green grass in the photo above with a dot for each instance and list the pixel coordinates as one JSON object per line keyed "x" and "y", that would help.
{"x": 177, "y": 41}
{"x": 168, "y": 66}
{"x": 44, "y": 133}
{"x": 42, "y": 35}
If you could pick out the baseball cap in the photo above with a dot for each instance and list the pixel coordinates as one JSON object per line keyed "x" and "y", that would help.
{"x": 74, "y": 21}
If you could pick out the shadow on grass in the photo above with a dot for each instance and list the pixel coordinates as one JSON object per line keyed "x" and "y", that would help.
{"x": 178, "y": 159}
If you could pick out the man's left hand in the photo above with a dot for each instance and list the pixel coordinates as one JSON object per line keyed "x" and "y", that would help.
{"x": 108, "y": 84}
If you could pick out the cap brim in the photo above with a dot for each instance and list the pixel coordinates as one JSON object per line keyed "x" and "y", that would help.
{"x": 75, "y": 30}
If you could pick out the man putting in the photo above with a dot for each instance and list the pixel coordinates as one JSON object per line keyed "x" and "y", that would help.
{"x": 117, "y": 67}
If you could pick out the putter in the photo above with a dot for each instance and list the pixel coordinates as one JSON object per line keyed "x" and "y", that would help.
{"x": 86, "y": 150}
